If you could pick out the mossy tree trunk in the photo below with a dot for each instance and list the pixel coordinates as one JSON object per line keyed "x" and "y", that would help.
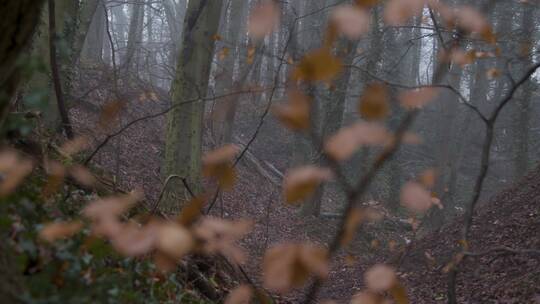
{"x": 185, "y": 121}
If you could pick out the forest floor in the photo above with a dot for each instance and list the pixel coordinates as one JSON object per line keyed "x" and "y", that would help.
{"x": 511, "y": 218}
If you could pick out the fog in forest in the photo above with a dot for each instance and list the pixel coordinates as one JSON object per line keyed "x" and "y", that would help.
{"x": 269, "y": 151}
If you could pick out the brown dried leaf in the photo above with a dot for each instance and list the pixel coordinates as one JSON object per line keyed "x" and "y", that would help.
{"x": 56, "y": 173}
{"x": 398, "y": 12}
{"x": 399, "y": 293}
{"x": 104, "y": 213}
{"x": 289, "y": 265}
{"x": 217, "y": 164}
{"x": 75, "y": 146}
{"x": 348, "y": 140}
{"x": 374, "y": 102}
{"x": 110, "y": 113}
{"x": 82, "y": 175}
{"x": 318, "y": 65}
{"x": 295, "y": 114}
{"x": 354, "y": 219}
{"x": 133, "y": 240}
{"x": 191, "y": 212}
{"x": 415, "y": 197}
{"x": 223, "y": 53}
{"x": 220, "y": 236}
{"x": 13, "y": 169}
{"x": 59, "y": 230}
{"x": 263, "y": 19}
{"x": 250, "y": 55}
{"x": 428, "y": 177}
{"x": 380, "y": 278}
{"x": 174, "y": 240}
{"x": 417, "y": 98}
{"x": 351, "y": 21}
{"x": 366, "y": 297}
{"x": 240, "y": 295}
{"x": 300, "y": 183}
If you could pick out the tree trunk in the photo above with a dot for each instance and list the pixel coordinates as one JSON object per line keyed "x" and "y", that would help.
{"x": 134, "y": 34}
{"x": 91, "y": 31}
{"x": 184, "y": 123}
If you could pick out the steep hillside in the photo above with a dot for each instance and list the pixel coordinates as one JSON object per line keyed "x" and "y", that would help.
{"x": 510, "y": 220}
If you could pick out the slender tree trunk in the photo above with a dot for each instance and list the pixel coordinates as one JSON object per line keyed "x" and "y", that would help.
{"x": 92, "y": 31}
{"x": 184, "y": 124}
{"x": 57, "y": 83}
{"x": 134, "y": 34}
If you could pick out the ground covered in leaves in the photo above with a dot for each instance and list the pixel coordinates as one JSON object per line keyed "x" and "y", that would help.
{"x": 512, "y": 219}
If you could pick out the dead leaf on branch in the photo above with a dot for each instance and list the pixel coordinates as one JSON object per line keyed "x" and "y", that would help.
{"x": 288, "y": 266}
{"x": 59, "y": 230}
{"x": 351, "y": 21}
{"x": 416, "y": 197}
{"x": 104, "y": 213}
{"x": 417, "y": 98}
{"x": 295, "y": 113}
{"x": 217, "y": 164}
{"x": 174, "y": 240}
{"x": 428, "y": 178}
{"x": 263, "y": 19}
{"x": 82, "y": 175}
{"x": 398, "y": 12}
{"x": 75, "y": 146}
{"x": 191, "y": 212}
{"x": 348, "y": 140}
{"x": 240, "y": 295}
{"x": 318, "y": 65}
{"x": 220, "y": 236}
{"x": 380, "y": 278}
{"x": 373, "y": 104}
{"x": 13, "y": 170}
{"x": 56, "y": 173}
{"x": 301, "y": 182}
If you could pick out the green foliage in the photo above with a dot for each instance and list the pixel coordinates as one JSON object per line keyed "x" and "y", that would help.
{"x": 82, "y": 269}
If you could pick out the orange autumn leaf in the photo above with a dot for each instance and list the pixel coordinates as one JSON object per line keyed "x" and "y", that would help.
{"x": 300, "y": 183}
{"x": 295, "y": 113}
{"x": 351, "y": 21}
{"x": 59, "y": 230}
{"x": 398, "y": 12}
{"x": 13, "y": 169}
{"x": 82, "y": 175}
{"x": 366, "y": 3}
{"x": 223, "y": 53}
{"x": 174, "y": 240}
{"x": 217, "y": 164}
{"x": 428, "y": 177}
{"x": 318, "y": 65}
{"x": 74, "y": 146}
{"x": 220, "y": 236}
{"x": 240, "y": 295}
{"x": 366, "y": 297}
{"x": 289, "y": 265}
{"x": 56, "y": 174}
{"x": 354, "y": 219}
{"x": 417, "y": 98}
{"x": 263, "y": 19}
{"x": 415, "y": 197}
{"x": 373, "y": 104}
{"x": 348, "y": 140}
{"x": 380, "y": 278}
{"x": 191, "y": 211}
